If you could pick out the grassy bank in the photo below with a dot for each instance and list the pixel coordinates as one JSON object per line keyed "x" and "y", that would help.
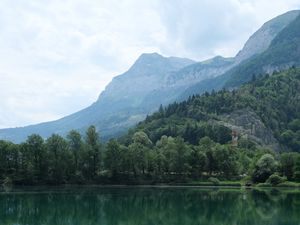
{"x": 220, "y": 183}
{"x": 288, "y": 184}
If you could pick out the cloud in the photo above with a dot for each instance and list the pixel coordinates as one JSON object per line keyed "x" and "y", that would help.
{"x": 205, "y": 28}
{"x": 56, "y": 56}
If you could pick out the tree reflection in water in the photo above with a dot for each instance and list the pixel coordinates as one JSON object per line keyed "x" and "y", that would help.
{"x": 149, "y": 206}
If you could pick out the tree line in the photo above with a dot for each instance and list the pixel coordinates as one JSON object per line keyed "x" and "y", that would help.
{"x": 85, "y": 160}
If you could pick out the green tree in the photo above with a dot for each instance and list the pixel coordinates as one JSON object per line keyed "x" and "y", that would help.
{"x": 165, "y": 147}
{"x": 141, "y": 138}
{"x": 296, "y": 169}
{"x": 181, "y": 153}
{"x": 294, "y": 125}
{"x": 208, "y": 146}
{"x": 197, "y": 161}
{"x": 287, "y": 137}
{"x": 4, "y": 151}
{"x": 264, "y": 167}
{"x": 226, "y": 160}
{"x": 75, "y": 145}
{"x": 94, "y": 151}
{"x": 60, "y": 159}
{"x": 137, "y": 158}
{"x": 37, "y": 157}
{"x": 9, "y": 160}
{"x": 113, "y": 157}
{"x": 287, "y": 163}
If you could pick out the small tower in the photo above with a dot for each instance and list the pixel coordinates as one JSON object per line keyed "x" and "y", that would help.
{"x": 234, "y": 136}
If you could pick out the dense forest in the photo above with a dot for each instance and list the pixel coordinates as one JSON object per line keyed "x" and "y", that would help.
{"x": 178, "y": 143}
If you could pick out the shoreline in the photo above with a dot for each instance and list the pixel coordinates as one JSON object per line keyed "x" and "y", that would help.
{"x": 162, "y": 185}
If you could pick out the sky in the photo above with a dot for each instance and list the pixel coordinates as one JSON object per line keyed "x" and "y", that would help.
{"x": 57, "y": 56}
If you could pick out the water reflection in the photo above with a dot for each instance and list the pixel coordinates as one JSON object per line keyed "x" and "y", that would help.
{"x": 149, "y": 206}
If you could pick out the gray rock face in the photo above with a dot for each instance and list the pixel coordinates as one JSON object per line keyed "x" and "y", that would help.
{"x": 147, "y": 74}
{"x": 200, "y": 71}
{"x": 248, "y": 125}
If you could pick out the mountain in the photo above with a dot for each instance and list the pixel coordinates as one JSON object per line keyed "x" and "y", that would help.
{"x": 259, "y": 42}
{"x": 226, "y": 135}
{"x": 274, "y": 47}
{"x": 283, "y": 52}
{"x": 146, "y": 75}
{"x": 200, "y": 71}
{"x": 154, "y": 80}
{"x": 176, "y": 82}
{"x": 264, "y": 112}
{"x": 261, "y": 39}
{"x": 118, "y": 106}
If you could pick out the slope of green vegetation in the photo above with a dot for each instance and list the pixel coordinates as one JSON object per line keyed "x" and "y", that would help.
{"x": 275, "y": 99}
{"x": 177, "y": 144}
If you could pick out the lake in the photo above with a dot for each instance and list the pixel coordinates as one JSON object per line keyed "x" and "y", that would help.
{"x": 148, "y": 206}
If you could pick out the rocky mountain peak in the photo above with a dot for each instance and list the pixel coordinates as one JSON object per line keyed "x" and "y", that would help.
{"x": 155, "y": 64}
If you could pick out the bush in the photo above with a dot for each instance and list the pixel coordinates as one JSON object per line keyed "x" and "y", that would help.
{"x": 247, "y": 181}
{"x": 246, "y": 143}
{"x": 288, "y": 184}
{"x": 7, "y": 182}
{"x": 275, "y": 179}
{"x": 263, "y": 185}
{"x": 214, "y": 181}
{"x": 264, "y": 168}
{"x": 231, "y": 183}
{"x": 78, "y": 178}
{"x": 297, "y": 176}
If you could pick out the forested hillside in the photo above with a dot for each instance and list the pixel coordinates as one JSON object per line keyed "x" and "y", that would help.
{"x": 184, "y": 142}
{"x": 275, "y": 99}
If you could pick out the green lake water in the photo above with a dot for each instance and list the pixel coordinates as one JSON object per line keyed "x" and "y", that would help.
{"x": 149, "y": 206}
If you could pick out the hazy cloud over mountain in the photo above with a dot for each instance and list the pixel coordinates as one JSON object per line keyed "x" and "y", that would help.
{"x": 56, "y": 56}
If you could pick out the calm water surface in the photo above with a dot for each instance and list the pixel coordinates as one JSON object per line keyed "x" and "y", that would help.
{"x": 149, "y": 206}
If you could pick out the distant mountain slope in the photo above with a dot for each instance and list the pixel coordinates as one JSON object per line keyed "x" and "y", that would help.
{"x": 261, "y": 39}
{"x": 155, "y": 80}
{"x": 200, "y": 71}
{"x": 118, "y": 106}
{"x": 265, "y": 111}
{"x": 176, "y": 82}
{"x": 280, "y": 52}
{"x": 284, "y": 52}
{"x": 146, "y": 75}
